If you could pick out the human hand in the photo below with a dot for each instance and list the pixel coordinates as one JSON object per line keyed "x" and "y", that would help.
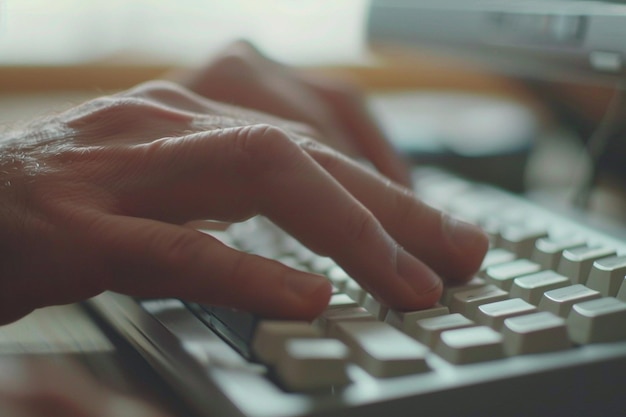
{"x": 240, "y": 75}
{"x": 97, "y": 197}
{"x": 43, "y": 388}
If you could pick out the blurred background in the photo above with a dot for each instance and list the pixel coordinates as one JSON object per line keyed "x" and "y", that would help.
{"x": 180, "y": 32}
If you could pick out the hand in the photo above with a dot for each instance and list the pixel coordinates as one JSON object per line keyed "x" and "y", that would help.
{"x": 40, "y": 388}
{"x": 241, "y": 75}
{"x": 96, "y": 199}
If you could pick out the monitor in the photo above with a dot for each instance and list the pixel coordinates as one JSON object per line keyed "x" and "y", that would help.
{"x": 566, "y": 39}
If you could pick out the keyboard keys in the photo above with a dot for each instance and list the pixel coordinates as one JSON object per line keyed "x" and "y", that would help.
{"x": 329, "y": 319}
{"x": 341, "y": 301}
{"x": 321, "y": 264}
{"x": 469, "y": 345}
{"x": 576, "y": 262}
{"x": 597, "y": 321}
{"x": 494, "y": 314}
{"x": 382, "y": 350}
{"x": 313, "y": 364}
{"x": 548, "y": 250}
{"x": 520, "y": 239}
{"x": 531, "y": 287}
{"x": 467, "y": 302}
{"x": 561, "y": 300}
{"x": 449, "y": 291}
{"x": 355, "y": 291}
{"x": 428, "y": 330}
{"x": 338, "y": 277}
{"x": 515, "y": 306}
{"x": 503, "y": 275}
{"x": 375, "y": 307}
{"x": 271, "y": 336}
{"x": 607, "y": 275}
{"x": 406, "y": 321}
{"x": 535, "y": 333}
{"x": 496, "y": 256}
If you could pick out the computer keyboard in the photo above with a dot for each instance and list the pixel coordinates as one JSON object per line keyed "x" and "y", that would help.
{"x": 540, "y": 330}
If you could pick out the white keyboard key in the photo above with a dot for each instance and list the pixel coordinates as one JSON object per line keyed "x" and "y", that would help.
{"x": 375, "y": 307}
{"x": 494, "y": 314}
{"x": 313, "y": 364}
{"x": 576, "y": 262}
{"x": 535, "y": 333}
{"x": 561, "y": 300}
{"x": 271, "y": 335}
{"x": 503, "y": 275}
{"x": 428, "y": 330}
{"x": 406, "y": 321}
{"x": 520, "y": 239}
{"x": 304, "y": 254}
{"x": 607, "y": 275}
{"x": 321, "y": 264}
{"x": 328, "y": 320}
{"x": 548, "y": 251}
{"x": 469, "y": 345}
{"x": 531, "y": 287}
{"x": 291, "y": 262}
{"x": 338, "y": 277}
{"x": 382, "y": 350}
{"x": 449, "y": 291}
{"x": 467, "y": 302}
{"x": 496, "y": 256}
{"x": 355, "y": 291}
{"x": 341, "y": 301}
{"x": 597, "y": 321}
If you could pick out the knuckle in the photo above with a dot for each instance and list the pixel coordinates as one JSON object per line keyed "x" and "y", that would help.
{"x": 266, "y": 148}
{"x": 236, "y": 63}
{"x": 327, "y": 157}
{"x": 157, "y": 90}
{"x": 111, "y": 116}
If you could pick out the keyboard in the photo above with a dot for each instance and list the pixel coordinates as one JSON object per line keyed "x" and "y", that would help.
{"x": 540, "y": 330}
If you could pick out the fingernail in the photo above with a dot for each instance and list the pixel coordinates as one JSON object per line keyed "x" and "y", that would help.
{"x": 420, "y": 277}
{"x": 462, "y": 235}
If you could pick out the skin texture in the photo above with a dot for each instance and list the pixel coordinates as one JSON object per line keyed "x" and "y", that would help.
{"x": 100, "y": 197}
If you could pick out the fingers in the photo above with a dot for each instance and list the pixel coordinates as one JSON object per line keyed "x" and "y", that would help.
{"x": 255, "y": 169}
{"x": 153, "y": 259}
{"x": 452, "y": 248}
